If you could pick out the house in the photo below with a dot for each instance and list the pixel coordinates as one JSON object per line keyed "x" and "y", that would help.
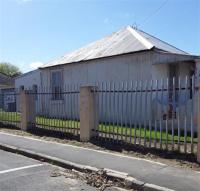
{"x": 6, "y": 92}
{"x": 28, "y": 81}
{"x": 127, "y": 55}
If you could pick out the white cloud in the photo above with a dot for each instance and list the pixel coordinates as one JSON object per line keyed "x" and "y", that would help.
{"x": 35, "y": 65}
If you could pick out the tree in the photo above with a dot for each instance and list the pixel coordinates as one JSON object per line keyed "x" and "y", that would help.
{"x": 9, "y": 69}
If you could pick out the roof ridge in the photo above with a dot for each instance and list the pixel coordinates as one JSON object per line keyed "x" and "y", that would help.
{"x": 139, "y": 37}
{"x": 163, "y": 41}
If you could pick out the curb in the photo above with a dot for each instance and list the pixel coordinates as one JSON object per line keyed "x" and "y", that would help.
{"x": 130, "y": 182}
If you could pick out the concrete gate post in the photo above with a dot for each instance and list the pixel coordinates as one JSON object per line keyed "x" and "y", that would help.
{"x": 88, "y": 113}
{"x": 28, "y": 110}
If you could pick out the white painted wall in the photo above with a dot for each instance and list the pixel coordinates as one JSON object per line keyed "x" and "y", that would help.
{"x": 29, "y": 79}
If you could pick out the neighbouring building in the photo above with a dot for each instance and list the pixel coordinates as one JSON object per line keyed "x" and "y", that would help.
{"x": 28, "y": 81}
{"x": 8, "y": 101}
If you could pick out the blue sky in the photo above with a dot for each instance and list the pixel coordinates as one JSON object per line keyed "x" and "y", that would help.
{"x": 37, "y": 31}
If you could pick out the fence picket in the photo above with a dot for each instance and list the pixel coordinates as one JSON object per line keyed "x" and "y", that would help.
{"x": 135, "y": 113}
{"x": 178, "y": 111}
{"x": 161, "y": 115}
{"x": 173, "y": 112}
{"x": 126, "y": 112}
{"x": 192, "y": 115}
{"x": 145, "y": 111}
{"x": 113, "y": 113}
{"x": 185, "y": 120}
{"x": 131, "y": 112}
{"x": 118, "y": 112}
{"x": 166, "y": 124}
{"x": 155, "y": 127}
{"x": 140, "y": 112}
{"x": 150, "y": 119}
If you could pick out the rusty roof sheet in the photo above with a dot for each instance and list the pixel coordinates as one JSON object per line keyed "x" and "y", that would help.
{"x": 126, "y": 40}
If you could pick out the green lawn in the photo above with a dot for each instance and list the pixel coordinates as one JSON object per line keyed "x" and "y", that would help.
{"x": 9, "y": 116}
{"x": 142, "y": 132}
{"x": 57, "y": 122}
{"x": 117, "y": 130}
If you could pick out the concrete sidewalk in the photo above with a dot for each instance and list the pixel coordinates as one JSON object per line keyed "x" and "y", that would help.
{"x": 141, "y": 169}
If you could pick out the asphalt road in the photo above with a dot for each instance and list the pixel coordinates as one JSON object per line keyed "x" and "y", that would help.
{"x": 18, "y": 173}
{"x": 175, "y": 178}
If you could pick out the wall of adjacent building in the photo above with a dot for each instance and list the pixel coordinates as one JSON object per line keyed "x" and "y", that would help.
{"x": 28, "y": 79}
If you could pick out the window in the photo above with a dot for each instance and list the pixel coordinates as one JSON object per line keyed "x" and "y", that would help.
{"x": 35, "y": 91}
{"x": 21, "y": 88}
{"x": 173, "y": 94}
{"x": 56, "y": 84}
{"x": 173, "y": 74}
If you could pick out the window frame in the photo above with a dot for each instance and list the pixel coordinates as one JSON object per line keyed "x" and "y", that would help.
{"x": 54, "y": 94}
{"x": 35, "y": 91}
{"x": 173, "y": 72}
{"x": 21, "y": 88}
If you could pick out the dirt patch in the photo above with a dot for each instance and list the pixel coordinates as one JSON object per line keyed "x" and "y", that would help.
{"x": 98, "y": 179}
{"x": 163, "y": 156}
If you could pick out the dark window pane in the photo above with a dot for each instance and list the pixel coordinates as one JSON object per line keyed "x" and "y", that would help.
{"x": 56, "y": 85}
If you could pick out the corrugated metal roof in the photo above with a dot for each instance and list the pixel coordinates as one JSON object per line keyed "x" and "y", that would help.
{"x": 126, "y": 40}
{"x": 161, "y": 44}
